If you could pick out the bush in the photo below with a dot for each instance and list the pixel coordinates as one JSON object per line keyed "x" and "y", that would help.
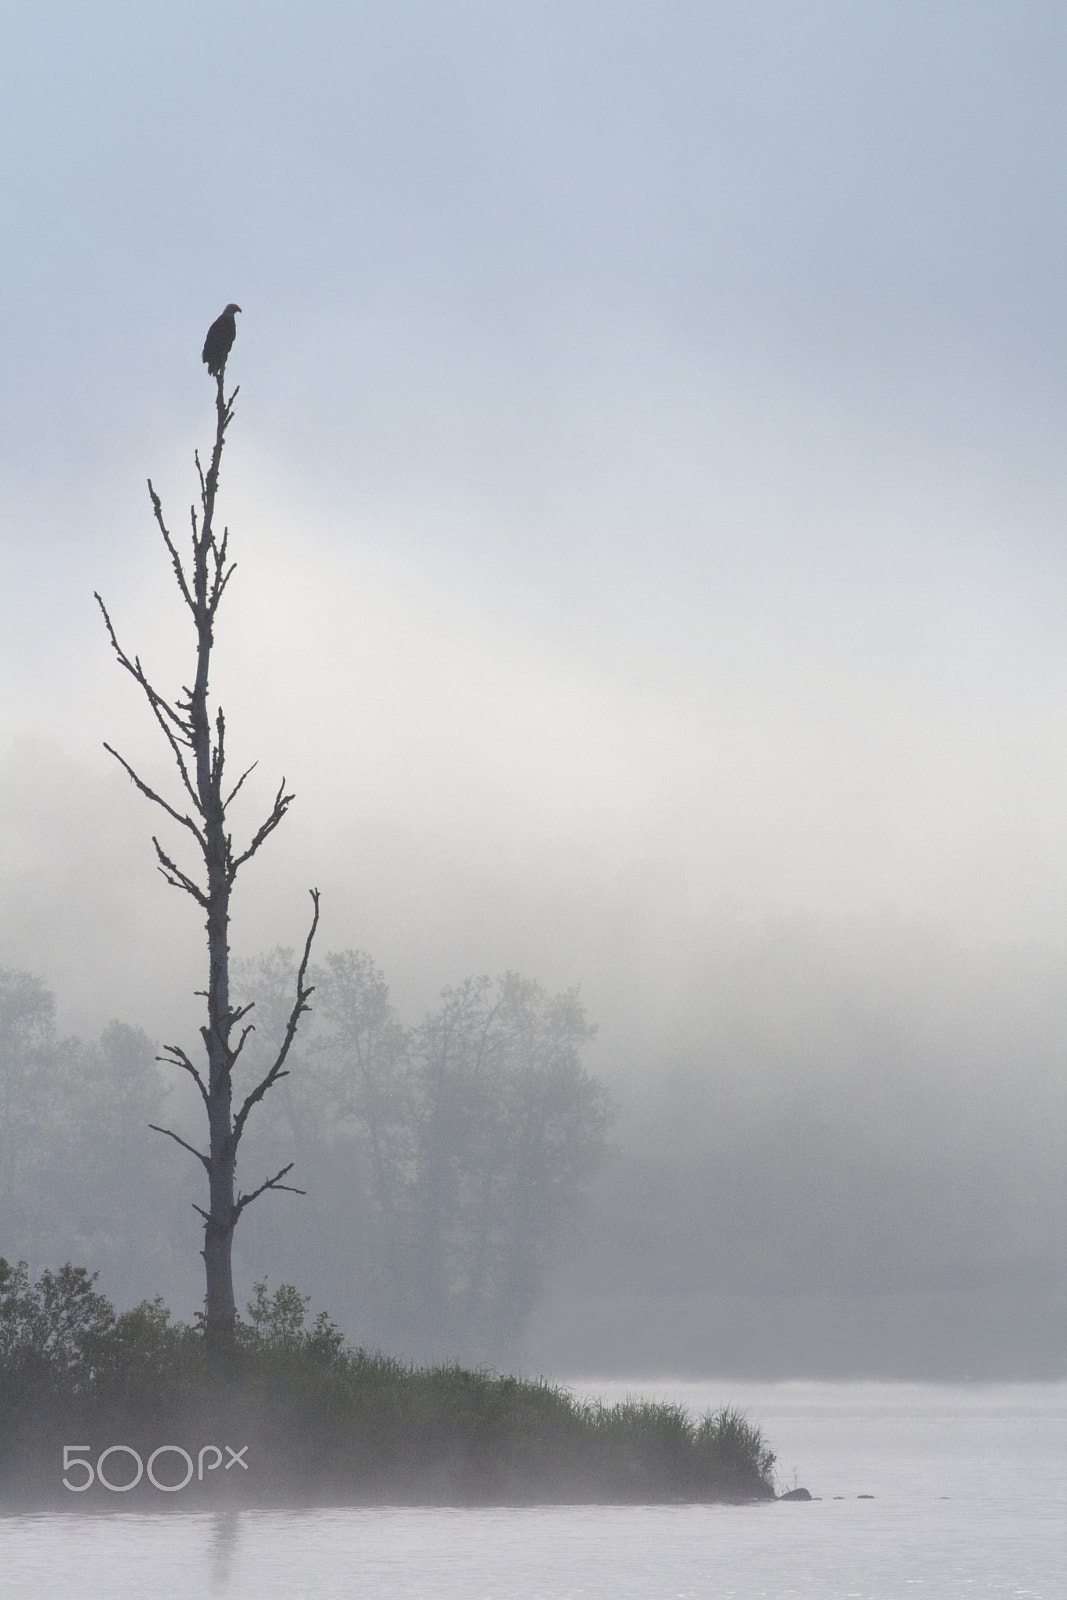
{"x": 325, "y": 1423}
{"x": 51, "y": 1332}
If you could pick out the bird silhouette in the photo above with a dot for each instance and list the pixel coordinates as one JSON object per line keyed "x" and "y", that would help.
{"x": 219, "y": 341}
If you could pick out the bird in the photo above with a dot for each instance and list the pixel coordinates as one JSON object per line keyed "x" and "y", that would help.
{"x": 219, "y": 341}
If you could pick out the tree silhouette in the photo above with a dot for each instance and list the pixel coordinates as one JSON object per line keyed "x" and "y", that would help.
{"x": 197, "y": 743}
{"x": 453, "y": 1159}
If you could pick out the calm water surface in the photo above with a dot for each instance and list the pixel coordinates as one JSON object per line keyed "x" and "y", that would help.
{"x": 970, "y": 1499}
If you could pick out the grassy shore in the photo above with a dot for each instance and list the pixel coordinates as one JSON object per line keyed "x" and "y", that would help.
{"x": 311, "y": 1420}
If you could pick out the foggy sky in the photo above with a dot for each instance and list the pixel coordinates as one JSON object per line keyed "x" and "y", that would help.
{"x": 647, "y": 482}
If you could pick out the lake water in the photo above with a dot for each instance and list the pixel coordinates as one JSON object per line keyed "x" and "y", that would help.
{"x": 969, "y": 1487}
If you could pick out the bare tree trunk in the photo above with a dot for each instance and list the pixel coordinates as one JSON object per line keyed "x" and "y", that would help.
{"x": 199, "y": 749}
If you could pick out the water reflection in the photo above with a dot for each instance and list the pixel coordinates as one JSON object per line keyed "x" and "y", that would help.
{"x": 222, "y": 1545}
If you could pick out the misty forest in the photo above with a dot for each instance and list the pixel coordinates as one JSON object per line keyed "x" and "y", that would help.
{"x": 444, "y": 1164}
{"x": 474, "y": 1191}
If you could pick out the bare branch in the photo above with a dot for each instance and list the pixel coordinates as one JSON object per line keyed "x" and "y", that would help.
{"x": 218, "y": 593}
{"x": 173, "y": 720}
{"x": 304, "y": 991}
{"x": 151, "y": 794}
{"x": 240, "y": 1043}
{"x": 237, "y": 786}
{"x": 191, "y": 1149}
{"x": 160, "y": 704}
{"x": 282, "y": 802}
{"x": 179, "y": 570}
{"x": 177, "y": 878}
{"x": 271, "y": 1183}
{"x": 222, "y": 573}
{"x": 174, "y": 1056}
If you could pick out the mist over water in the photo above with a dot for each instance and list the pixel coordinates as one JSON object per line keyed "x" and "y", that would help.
{"x": 963, "y": 1495}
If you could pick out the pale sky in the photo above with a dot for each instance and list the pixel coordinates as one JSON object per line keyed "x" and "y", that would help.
{"x": 649, "y": 459}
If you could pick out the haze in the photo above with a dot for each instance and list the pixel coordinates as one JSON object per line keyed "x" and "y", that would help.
{"x": 647, "y": 487}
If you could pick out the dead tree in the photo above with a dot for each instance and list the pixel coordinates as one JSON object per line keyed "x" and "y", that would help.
{"x": 197, "y": 742}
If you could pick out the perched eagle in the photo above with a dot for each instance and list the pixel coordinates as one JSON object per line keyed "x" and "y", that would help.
{"x": 219, "y": 341}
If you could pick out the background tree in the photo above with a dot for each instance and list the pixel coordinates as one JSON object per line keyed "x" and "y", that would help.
{"x": 27, "y": 1036}
{"x": 511, "y": 1128}
{"x": 197, "y": 743}
{"x": 453, "y": 1158}
{"x": 78, "y": 1180}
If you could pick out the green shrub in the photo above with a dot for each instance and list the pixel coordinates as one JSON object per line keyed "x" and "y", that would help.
{"x": 326, "y": 1423}
{"x": 51, "y": 1332}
